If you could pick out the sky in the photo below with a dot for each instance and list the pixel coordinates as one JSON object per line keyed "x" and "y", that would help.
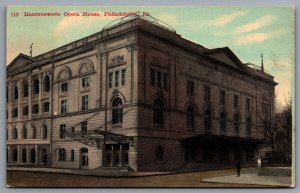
{"x": 247, "y": 31}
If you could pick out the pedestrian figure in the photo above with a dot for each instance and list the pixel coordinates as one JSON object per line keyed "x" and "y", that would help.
{"x": 238, "y": 168}
{"x": 259, "y": 157}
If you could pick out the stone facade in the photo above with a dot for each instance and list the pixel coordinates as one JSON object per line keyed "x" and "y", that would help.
{"x": 178, "y": 103}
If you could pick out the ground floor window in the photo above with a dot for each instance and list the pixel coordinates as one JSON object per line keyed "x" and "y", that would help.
{"x": 84, "y": 160}
{"x": 62, "y": 155}
{"x": 32, "y": 155}
{"x": 116, "y": 155}
{"x": 24, "y": 155}
{"x": 15, "y": 155}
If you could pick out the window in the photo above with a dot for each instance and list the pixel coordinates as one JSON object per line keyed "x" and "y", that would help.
{"x": 165, "y": 81}
{"x": 86, "y": 82}
{"x": 62, "y": 155}
{"x": 190, "y": 88}
{"x": 15, "y": 155}
{"x": 35, "y": 109}
{"x": 110, "y": 79}
{"x": 15, "y": 133}
{"x": 207, "y": 120}
{"x": 117, "y": 111}
{"x": 159, "y": 153}
{"x": 72, "y": 155}
{"x": 158, "y": 79}
{"x": 25, "y": 88}
{"x": 222, "y": 97}
{"x": 236, "y": 124}
{"x": 62, "y": 130}
{"x": 64, "y": 87}
{"x": 15, "y": 112}
{"x": 24, "y": 132}
{"x": 36, "y": 86}
{"x": 84, "y": 127}
{"x": 85, "y": 103}
{"x": 236, "y": 101}
{"x": 45, "y": 132}
{"x": 223, "y": 122}
{"x": 207, "y": 93}
{"x": 248, "y": 125}
{"x": 46, "y": 107}
{"x": 34, "y": 132}
{"x": 16, "y": 93}
{"x": 247, "y": 104}
{"x": 117, "y": 78}
{"x": 152, "y": 77}
{"x": 63, "y": 108}
{"x": 46, "y": 83}
{"x": 25, "y": 110}
{"x": 123, "y": 81}
{"x": 190, "y": 119}
{"x": 158, "y": 113}
{"x": 7, "y": 94}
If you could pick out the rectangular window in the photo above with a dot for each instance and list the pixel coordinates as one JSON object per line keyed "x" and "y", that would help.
{"x": 158, "y": 79}
{"x": 165, "y": 81}
{"x": 86, "y": 82}
{"x": 85, "y": 103}
{"x": 46, "y": 107}
{"x": 84, "y": 127}
{"x": 123, "y": 82}
{"x": 207, "y": 93}
{"x": 110, "y": 79}
{"x": 222, "y": 97}
{"x": 117, "y": 78}
{"x": 247, "y": 104}
{"x": 15, "y": 112}
{"x": 25, "y": 110}
{"x": 35, "y": 109}
{"x": 63, "y": 108}
{"x": 236, "y": 101}
{"x": 62, "y": 130}
{"x": 190, "y": 88}
{"x": 152, "y": 77}
{"x": 64, "y": 87}
{"x": 72, "y": 155}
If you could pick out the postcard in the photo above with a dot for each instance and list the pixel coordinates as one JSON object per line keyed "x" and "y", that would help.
{"x": 150, "y": 96}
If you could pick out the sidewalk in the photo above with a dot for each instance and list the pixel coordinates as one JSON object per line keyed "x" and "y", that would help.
{"x": 252, "y": 179}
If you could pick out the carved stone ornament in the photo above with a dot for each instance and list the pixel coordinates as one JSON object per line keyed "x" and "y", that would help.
{"x": 116, "y": 60}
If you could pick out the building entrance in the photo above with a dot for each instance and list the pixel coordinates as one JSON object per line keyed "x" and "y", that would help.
{"x": 116, "y": 155}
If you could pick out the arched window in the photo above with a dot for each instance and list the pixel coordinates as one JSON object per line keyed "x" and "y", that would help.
{"x": 159, "y": 153}
{"x": 45, "y": 132}
{"x": 15, "y": 133}
{"x": 84, "y": 157}
{"x": 36, "y": 86}
{"x": 207, "y": 119}
{"x": 25, "y": 88}
{"x": 223, "y": 122}
{"x": 117, "y": 111}
{"x": 158, "y": 113}
{"x": 24, "y": 132}
{"x": 190, "y": 117}
{"x": 34, "y": 132}
{"x": 16, "y": 93}
{"x": 236, "y": 124}
{"x": 46, "y": 83}
{"x": 248, "y": 125}
{"x": 62, "y": 155}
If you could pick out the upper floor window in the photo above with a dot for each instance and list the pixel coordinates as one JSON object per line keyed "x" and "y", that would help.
{"x": 190, "y": 119}
{"x": 110, "y": 79}
{"x": 207, "y": 119}
{"x": 207, "y": 93}
{"x": 222, "y": 97}
{"x": 247, "y": 104}
{"x": 46, "y": 83}
{"x": 158, "y": 113}
{"x": 159, "y": 79}
{"x": 35, "y": 108}
{"x": 16, "y": 93}
{"x": 25, "y": 88}
{"x": 190, "y": 88}
{"x": 24, "y": 132}
{"x": 64, "y": 87}
{"x": 117, "y": 111}
{"x": 117, "y": 78}
{"x": 62, "y": 155}
{"x": 25, "y": 110}
{"x": 152, "y": 77}
{"x": 235, "y": 101}
{"x": 45, "y": 131}
{"x": 46, "y": 107}
{"x": 36, "y": 86}
{"x": 15, "y": 133}
{"x": 85, "y": 103}
{"x": 7, "y": 92}
{"x": 62, "y": 130}
{"x": 63, "y": 107}
{"x": 34, "y": 132}
{"x": 236, "y": 124}
{"x": 123, "y": 80}
{"x": 15, "y": 112}
{"x": 84, "y": 127}
{"x": 85, "y": 82}
{"x": 248, "y": 125}
{"x": 223, "y": 122}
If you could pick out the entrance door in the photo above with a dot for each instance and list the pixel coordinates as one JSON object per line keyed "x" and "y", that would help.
{"x": 84, "y": 157}
{"x": 116, "y": 155}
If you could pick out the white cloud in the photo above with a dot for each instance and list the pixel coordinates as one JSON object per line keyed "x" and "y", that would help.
{"x": 225, "y": 19}
{"x": 254, "y": 25}
{"x": 169, "y": 19}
